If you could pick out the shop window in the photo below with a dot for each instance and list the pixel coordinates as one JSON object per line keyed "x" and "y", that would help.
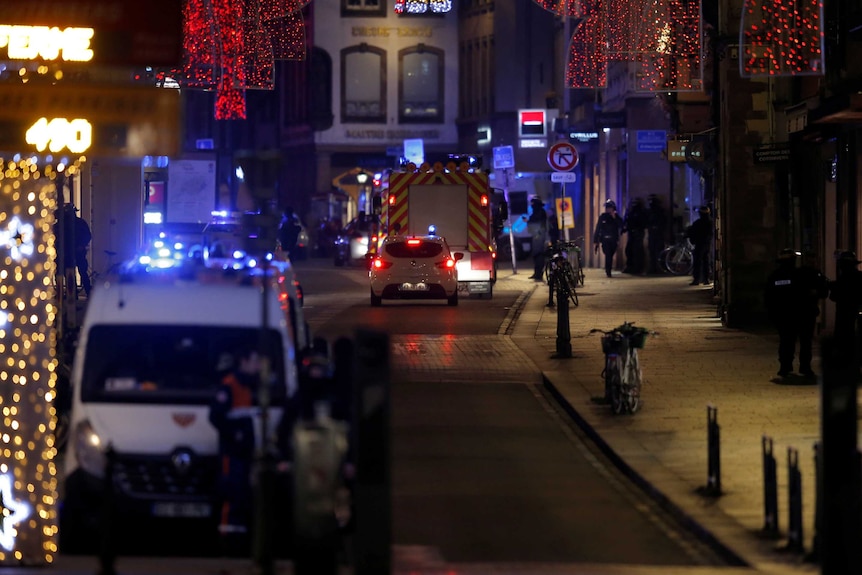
{"x": 363, "y": 84}
{"x": 351, "y": 8}
{"x": 420, "y": 84}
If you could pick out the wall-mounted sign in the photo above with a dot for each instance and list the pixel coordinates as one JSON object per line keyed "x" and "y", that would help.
{"x": 533, "y": 143}
{"x": 532, "y": 123}
{"x": 768, "y": 153}
{"x": 125, "y": 33}
{"x": 610, "y": 119}
{"x": 676, "y": 150}
{"x": 60, "y": 134}
{"x": 651, "y": 140}
{"x": 42, "y": 42}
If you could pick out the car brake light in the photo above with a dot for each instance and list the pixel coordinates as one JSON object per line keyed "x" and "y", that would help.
{"x": 448, "y": 263}
{"x": 414, "y": 242}
{"x": 380, "y": 264}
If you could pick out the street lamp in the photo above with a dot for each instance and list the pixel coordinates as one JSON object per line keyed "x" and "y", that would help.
{"x": 362, "y": 179}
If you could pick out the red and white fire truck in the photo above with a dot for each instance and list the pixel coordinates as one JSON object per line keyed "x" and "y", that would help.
{"x": 452, "y": 202}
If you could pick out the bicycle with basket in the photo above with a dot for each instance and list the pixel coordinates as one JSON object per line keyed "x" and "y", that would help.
{"x": 622, "y": 372}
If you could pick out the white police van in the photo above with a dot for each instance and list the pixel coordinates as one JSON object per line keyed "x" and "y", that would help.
{"x": 143, "y": 378}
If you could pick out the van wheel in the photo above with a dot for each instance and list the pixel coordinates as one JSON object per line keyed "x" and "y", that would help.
{"x": 453, "y": 299}
{"x": 376, "y": 300}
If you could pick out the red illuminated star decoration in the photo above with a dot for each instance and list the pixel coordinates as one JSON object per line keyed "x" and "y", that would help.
{"x": 14, "y": 512}
{"x": 781, "y": 38}
{"x": 231, "y": 46}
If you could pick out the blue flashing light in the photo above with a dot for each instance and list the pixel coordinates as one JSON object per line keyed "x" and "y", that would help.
{"x": 252, "y": 263}
{"x": 144, "y": 260}
{"x": 164, "y": 252}
{"x": 432, "y": 230}
{"x": 178, "y": 246}
{"x": 238, "y": 254}
{"x": 158, "y": 244}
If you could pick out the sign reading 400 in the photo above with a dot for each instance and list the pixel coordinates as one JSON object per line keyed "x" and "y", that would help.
{"x": 59, "y": 133}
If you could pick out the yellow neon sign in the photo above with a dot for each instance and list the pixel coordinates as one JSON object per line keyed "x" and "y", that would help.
{"x": 59, "y": 133}
{"x": 31, "y": 42}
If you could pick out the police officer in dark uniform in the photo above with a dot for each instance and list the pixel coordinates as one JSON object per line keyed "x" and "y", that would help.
{"x": 846, "y": 292}
{"x": 607, "y": 234}
{"x": 792, "y": 296}
{"x": 700, "y": 234}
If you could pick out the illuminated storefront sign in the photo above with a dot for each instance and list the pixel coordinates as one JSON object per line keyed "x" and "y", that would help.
{"x": 42, "y": 42}
{"x": 60, "y": 133}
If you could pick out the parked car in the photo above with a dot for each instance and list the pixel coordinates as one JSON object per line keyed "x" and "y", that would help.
{"x": 352, "y": 243}
{"x": 414, "y": 267}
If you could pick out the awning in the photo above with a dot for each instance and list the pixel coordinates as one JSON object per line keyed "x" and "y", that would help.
{"x": 349, "y": 184}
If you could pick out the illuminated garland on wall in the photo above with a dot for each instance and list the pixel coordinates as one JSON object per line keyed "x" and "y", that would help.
{"x": 28, "y": 471}
{"x": 231, "y": 46}
{"x": 781, "y": 38}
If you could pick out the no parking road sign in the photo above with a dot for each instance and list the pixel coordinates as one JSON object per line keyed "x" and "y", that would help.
{"x": 562, "y": 157}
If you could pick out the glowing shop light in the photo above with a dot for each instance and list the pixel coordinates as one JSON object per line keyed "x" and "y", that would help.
{"x": 32, "y": 42}
{"x": 59, "y": 133}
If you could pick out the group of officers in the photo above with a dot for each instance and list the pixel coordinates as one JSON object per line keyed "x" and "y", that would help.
{"x": 792, "y": 296}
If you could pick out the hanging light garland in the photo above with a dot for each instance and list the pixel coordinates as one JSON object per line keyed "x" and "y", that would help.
{"x": 781, "y": 38}
{"x": 669, "y": 55}
{"x": 664, "y": 37}
{"x": 231, "y": 46}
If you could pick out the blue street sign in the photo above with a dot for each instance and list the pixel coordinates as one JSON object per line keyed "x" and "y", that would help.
{"x": 504, "y": 157}
{"x": 651, "y": 140}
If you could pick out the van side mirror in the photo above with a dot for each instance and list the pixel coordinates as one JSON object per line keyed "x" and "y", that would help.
{"x": 458, "y": 256}
{"x": 377, "y": 204}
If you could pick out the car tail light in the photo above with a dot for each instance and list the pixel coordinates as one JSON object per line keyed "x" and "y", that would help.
{"x": 448, "y": 264}
{"x": 414, "y": 242}
{"x": 380, "y": 264}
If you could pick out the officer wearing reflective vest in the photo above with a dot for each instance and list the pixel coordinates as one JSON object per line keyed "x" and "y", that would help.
{"x": 792, "y": 298}
{"x": 231, "y": 413}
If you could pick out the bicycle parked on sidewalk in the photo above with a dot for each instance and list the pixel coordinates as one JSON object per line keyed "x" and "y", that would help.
{"x": 677, "y": 259}
{"x": 622, "y": 372}
{"x": 559, "y": 272}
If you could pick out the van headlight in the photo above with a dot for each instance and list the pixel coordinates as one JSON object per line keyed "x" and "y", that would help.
{"x": 89, "y": 450}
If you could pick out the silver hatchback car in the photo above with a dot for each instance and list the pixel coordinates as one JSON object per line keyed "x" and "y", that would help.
{"x": 414, "y": 267}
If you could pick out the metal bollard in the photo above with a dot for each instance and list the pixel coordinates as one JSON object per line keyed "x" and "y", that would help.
{"x": 814, "y": 555}
{"x": 107, "y": 546}
{"x": 794, "y": 501}
{"x": 713, "y": 446}
{"x": 770, "y": 489}
{"x": 564, "y": 337}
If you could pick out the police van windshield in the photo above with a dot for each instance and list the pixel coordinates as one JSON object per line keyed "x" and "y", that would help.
{"x": 170, "y": 364}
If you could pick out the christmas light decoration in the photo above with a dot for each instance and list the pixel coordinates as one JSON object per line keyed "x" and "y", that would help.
{"x": 588, "y": 54}
{"x": 670, "y": 46}
{"x": 781, "y": 38}
{"x": 664, "y": 38}
{"x": 28, "y": 470}
{"x": 231, "y": 46}
{"x": 422, "y": 6}
{"x": 569, "y": 8}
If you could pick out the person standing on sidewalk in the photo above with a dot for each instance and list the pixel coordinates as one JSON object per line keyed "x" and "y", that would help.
{"x": 700, "y": 235}
{"x": 607, "y": 234}
{"x": 792, "y": 298}
{"x": 635, "y": 228}
{"x": 657, "y": 224}
{"x": 537, "y": 225}
{"x": 846, "y": 292}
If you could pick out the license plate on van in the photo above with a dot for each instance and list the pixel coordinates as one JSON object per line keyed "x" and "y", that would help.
{"x": 189, "y": 510}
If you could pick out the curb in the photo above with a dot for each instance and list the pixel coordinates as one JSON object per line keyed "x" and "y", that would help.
{"x": 515, "y": 312}
{"x": 701, "y": 532}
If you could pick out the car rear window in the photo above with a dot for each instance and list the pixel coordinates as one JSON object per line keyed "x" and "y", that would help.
{"x": 414, "y": 249}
